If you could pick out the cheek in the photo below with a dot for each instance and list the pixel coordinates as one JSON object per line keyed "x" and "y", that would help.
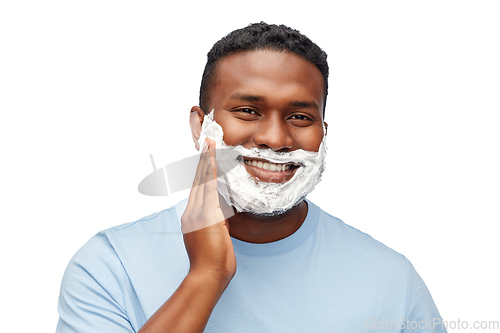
{"x": 308, "y": 140}
{"x": 312, "y": 145}
{"x": 235, "y": 133}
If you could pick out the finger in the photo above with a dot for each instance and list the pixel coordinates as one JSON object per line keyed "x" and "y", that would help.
{"x": 211, "y": 199}
{"x": 212, "y": 149}
{"x": 212, "y": 178}
{"x": 206, "y": 175}
{"x": 199, "y": 172}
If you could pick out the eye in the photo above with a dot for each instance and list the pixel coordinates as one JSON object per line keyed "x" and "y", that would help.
{"x": 247, "y": 111}
{"x": 300, "y": 120}
{"x": 246, "y": 114}
{"x": 300, "y": 117}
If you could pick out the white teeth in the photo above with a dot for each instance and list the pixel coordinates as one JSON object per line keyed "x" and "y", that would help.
{"x": 269, "y": 166}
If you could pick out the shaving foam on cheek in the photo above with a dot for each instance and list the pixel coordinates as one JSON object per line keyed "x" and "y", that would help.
{"x": 246, "y": 193}
{"x": 210, "y": 129}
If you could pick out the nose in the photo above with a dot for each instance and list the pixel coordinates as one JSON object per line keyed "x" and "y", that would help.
{"x": 273, "y": 133}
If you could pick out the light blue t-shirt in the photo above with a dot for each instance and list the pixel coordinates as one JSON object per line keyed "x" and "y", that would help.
{"x": 325, "y": 277}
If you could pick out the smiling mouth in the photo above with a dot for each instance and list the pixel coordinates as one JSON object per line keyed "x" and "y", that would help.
{"x": 267, "y": 171}
{"x": 266, "y": 165}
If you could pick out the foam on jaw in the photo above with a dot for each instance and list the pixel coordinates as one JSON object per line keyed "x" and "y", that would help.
{"x": 247, "y": 194}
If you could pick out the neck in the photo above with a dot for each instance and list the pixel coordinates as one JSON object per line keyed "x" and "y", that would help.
{"x": 253, "y": 228}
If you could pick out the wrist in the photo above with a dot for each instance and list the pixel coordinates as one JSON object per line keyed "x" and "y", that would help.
{"x": 210, "y": 278}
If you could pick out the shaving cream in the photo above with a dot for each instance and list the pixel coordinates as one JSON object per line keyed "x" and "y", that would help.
{"x": 248, "y": 194}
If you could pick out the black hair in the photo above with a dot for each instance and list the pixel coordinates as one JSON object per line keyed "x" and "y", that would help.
{"x": 260, "y": 36}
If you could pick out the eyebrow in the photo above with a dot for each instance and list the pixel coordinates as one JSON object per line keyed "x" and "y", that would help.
{"x": 305, "y": 104}
{"x": 255, "y": 98}
{"x": 247, "y": 98}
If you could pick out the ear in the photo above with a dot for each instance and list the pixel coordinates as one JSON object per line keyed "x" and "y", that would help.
{"x": 195, "y": 121}
{"x": 326, "y": 127}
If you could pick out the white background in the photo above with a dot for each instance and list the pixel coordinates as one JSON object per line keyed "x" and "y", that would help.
{"x": 89, "y": 89}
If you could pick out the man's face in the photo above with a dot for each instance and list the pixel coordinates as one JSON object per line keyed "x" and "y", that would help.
{"x": 269, "y": 99}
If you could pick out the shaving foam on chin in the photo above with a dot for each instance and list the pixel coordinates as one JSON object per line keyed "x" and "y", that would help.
{"x": 246, "y": 193}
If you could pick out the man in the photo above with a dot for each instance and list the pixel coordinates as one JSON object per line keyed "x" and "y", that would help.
{"x": 254, "y": 255}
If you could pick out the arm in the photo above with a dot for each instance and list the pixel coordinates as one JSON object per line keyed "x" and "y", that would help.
{"x": 211, "y": 255}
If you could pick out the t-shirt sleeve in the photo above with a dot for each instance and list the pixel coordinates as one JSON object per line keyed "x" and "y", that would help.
{"x": 92, "y": 292}
{"x": 421, "y": 314}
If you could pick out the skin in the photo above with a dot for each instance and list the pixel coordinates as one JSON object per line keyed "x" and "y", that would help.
{"x": 263, "y": 99}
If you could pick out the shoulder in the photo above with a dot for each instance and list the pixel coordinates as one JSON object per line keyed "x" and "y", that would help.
{"x": 103, "y": 257}
{"x": 96, "y": 287}
{"x": 167, "y": 220}
{"x": 352, "y": 239}
{"x": 359, "y": 252}
{"x": 378, "y": 266}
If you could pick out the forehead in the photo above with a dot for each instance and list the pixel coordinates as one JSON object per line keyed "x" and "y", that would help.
{"x": 267, "y": 72}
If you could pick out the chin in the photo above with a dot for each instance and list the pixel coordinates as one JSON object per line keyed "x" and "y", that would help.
{"x": 276, "y": 213}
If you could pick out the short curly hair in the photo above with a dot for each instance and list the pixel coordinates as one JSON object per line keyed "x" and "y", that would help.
{"x": 261, "y": 36}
